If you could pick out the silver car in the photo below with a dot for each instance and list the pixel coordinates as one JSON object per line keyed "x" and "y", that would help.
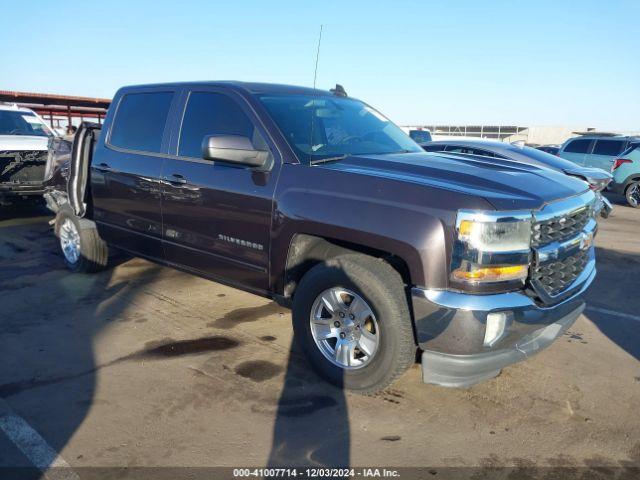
{"x": 598, "y": 179}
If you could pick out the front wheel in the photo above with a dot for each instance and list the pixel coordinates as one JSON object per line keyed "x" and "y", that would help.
{"x": 351, "y": 319}
{"x": 632, "y": 194}
{"x": 83, "y": 249}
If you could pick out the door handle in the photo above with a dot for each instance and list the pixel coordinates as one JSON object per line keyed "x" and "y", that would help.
{"x": 103, "y": 167}
{"x": 177, "y": 178}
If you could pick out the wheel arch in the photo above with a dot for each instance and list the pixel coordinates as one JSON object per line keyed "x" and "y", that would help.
{"x": 307, "y": 250}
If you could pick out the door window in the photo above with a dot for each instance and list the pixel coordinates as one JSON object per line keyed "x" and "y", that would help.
{"x": 578, "y": 146}
{"x": 210, "y": 113}
{"x": 140, "y": 121}
{"x": 608, "y": 147}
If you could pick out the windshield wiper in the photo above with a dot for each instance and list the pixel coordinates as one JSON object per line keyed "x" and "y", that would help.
{"x": 337, "y": 158}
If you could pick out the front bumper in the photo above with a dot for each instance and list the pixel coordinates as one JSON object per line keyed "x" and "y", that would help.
{"x": 450, "y": 329}
{"x": 15, "y": 189}
{"x": 617, "y": 188}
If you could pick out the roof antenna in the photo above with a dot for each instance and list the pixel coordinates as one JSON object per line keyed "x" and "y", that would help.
{"x": 315, "y": 73}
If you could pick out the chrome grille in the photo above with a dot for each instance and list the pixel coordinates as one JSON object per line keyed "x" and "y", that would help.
{"x": 557, "y": 239}
{"x": 554, "y": 277}
{"x": 561, "y": 227}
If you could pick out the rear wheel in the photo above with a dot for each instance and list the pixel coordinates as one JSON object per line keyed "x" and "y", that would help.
{"x": 351, "y": 319}
{"x": 83, "y": 249}
{"x": 632, "y": 193}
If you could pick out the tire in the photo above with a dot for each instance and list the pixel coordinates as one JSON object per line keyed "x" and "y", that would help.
{"x": 93, "y": 253}
{"x": 632, "y": 194}
{"x": 382, "y": 289}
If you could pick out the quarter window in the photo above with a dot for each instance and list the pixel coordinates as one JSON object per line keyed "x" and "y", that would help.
{"x": 140, "y": 121}
{"x": 214, "y": 114}
{"x": 578, "y": 146}
{"x": 608, "y": 147}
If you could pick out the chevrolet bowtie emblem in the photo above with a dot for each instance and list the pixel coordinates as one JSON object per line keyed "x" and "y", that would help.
{"x": 586, "y": 240}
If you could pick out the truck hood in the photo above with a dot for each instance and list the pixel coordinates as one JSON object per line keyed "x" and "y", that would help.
{"x": 23, "y": 142}
{"x": 506, "y": 184}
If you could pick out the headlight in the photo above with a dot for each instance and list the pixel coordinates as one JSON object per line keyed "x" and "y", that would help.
{"x": 493, "y": 234}
{"x": 491, "y": 248}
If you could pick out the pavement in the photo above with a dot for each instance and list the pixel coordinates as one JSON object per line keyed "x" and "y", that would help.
{"x": 145, "y": 366}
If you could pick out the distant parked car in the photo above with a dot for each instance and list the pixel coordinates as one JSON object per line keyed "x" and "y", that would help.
{"x": 596, "y": 150}
{"x": 597, "y": 179}
{"x": 420, "y": 136}
{"x": 626, "y": 175}
{"x": 552, "y": 149}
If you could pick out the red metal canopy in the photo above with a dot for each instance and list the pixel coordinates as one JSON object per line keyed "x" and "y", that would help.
{"x": 49, "y": 105}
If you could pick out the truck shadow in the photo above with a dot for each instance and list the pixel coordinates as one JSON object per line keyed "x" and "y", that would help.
{"x": 49, "y": 367}
{"x": 615, "y": 289}
{"x": 48, "y": 325}
{"x": 311, "y": 428}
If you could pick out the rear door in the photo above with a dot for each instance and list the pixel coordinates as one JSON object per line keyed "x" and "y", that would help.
{"x": 605, "y": 151}
{"x": 576, "y": 150}
{"x": 216, "y": 216}
{"x": 125, "y": 174}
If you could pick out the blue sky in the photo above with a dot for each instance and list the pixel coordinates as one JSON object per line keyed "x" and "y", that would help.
{"x": 531, "y": 63}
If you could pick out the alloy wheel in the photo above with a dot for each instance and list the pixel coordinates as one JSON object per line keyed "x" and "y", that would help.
{"x": 70, "y": 241}
{"x": 633, "y": 194}
{"x": 344, "y": 328}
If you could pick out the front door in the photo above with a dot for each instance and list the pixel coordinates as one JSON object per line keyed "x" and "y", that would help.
{"x": 126, "y": 171}
{"x": 217, "y": 217}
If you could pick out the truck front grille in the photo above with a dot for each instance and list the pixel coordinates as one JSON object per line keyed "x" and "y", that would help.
{"x": 559, "y": 232}
{"x": 556, "y": 276}
{"x": 561, "y": 227}
{"x": 22, "y": 167}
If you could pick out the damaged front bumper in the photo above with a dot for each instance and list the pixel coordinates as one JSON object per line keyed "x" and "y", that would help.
{"x": 452, "y": 331}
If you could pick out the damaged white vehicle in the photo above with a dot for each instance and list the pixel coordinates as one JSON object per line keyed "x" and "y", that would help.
{"x": 24, "y": 146}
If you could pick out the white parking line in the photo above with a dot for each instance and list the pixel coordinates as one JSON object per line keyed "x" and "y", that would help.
{"x": 33, "y": 446}
{"x": 613, "y": 313}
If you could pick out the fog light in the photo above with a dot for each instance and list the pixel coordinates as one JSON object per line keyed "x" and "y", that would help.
{"x": 496, "y": 323}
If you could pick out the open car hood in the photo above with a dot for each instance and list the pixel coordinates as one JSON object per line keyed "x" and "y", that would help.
{"x": 23, "y": 143}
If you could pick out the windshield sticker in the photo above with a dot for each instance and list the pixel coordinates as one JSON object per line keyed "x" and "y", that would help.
{"x": 32, "y": 119}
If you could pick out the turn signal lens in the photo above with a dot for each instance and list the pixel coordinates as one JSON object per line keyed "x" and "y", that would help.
{"x": 476, "y": 273}
{"x": 466, "y": 226}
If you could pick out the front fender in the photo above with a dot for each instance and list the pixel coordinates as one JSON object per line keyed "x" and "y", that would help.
{"x": 410, "y": 221}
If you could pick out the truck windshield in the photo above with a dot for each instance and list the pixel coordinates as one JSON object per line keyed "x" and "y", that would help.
{"x": 318, "y": 127}
{"x": 21, "y": 123}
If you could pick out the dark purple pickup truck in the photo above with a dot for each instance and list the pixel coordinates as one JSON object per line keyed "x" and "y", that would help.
{"x": 317, "y": 200}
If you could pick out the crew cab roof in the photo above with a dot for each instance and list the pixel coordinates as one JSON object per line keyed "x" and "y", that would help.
{"x": 249, "y": 87}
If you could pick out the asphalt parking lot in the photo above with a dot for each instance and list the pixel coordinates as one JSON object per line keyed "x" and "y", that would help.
{"x": 143, "y": 365}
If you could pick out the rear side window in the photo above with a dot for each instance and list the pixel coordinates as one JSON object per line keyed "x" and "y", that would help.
{"x": 420, "y": 136}
{"x": 633, "y": 150}
{"x": 608, "y": 147}
{"x": 140, "y": 121}
{"x": 213, "y": 114}
{"x": 578, "y": 146}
